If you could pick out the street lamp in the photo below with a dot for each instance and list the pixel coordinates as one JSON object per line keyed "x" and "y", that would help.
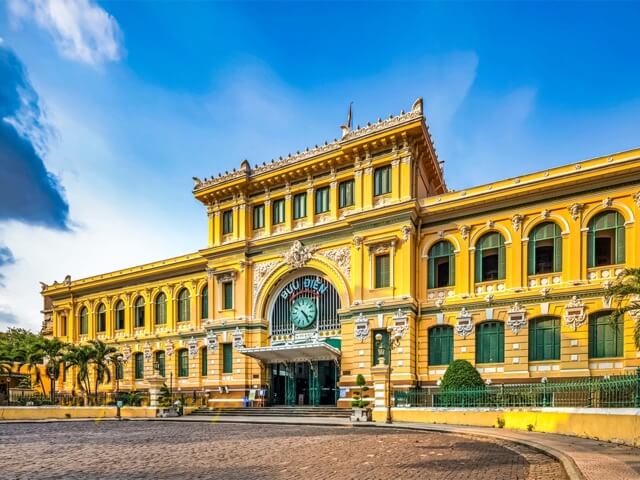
{"x": 46, "y": 360}
{"x": 394, "y": 341}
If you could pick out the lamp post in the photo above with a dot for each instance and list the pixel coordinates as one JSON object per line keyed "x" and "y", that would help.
{"x": 394, "y": 341}
{"x": 49, "y": 367}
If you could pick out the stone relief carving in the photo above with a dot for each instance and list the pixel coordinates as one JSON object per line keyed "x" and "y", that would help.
{"x": 407, "y": 231}
{"x": 516, "y": 221}
{"x": 260, "y": 273}
{"x": 574, "y": 313}
{"x": 517, "y": 318}
{"x": 400, "y": 323}
{"x": 298, "y": 255}
{"x": 147, "y": 351}
{"x": 607, "y": 202}
{"x": 464, "y": 231}
{"x": 238, "y": 338}
{"x": 636, "y": 199}
{"x": 126, "y": 352}
{"x": 464, "y": 324}
{"x": 361, "y": 330}
{"x": 575, "y": 210}
{"x": 169, "y": 348}
{"x": 357, "y": 242}
{"x": 212, "y": 340}
{"x": 193, "y": 347}
{"x": 342, "y": 257}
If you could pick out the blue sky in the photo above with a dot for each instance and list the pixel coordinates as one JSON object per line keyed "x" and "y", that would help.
{"x": 108, "y": 109}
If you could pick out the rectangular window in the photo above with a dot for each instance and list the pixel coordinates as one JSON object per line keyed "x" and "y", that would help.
{"x": 119, "y": 371}
{"x": 277, "y": 215}
{"x": 345, "y": 194}
{"x": 490, "y": 342}
{"x": 441, "y": 345}
{"x": 204, "y": 370}
{"x": 227, "y": 295}
{"x": 380, "y": 347}
{"x": 63, "y": 326}
{"x": 605, "y": 337}
{"x": 383, "y": 271}
{"x": 139, "y": 366}
{"x": 544, "y": 339}
{"x": 299, "y": 206}
{"x": 322, "y": 200}
{"x": 227, "y": 358}
{"x": 227, "y": 222}
{"x": 258, "y": 217}
{"x": 183, "y": 363}
{"x": 382, "y": 180}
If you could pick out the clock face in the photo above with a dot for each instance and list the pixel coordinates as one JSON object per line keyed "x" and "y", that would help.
{"x": 303, "y": 312}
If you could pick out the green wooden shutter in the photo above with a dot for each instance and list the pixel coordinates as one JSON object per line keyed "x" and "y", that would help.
{"x": 557, "y": 250}
{"x": 431, "y": 266}
{"x": 227, "y": 358}
{"x": 501, "y": 260}
{"x": 203, "y": 362}
{"x": 531, "y": 254}
{"x": 205, "y": 303}
{"x": 478, "y": 257}
{"x": 452, "y": 268}
{"x": 591, "y": 248}
{"x": 620, "y": 234}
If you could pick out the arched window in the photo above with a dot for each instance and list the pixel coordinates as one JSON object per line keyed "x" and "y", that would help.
{"x": 139, "y": 312}
{"x": 605, "y": 337}
{"x": 159, "y": 362}
{"x": 441, "y": 265}
{"x": 490, "y": 342}
{"x": 84, "y": 321}
{"x": 102, "y": 318}
{"x": 544, "y": 339}
{"x": 183, "y": 363}
{"x": 441, "y": 345}
{"x": 606, "y": 239}
{"x": 183, "y": 305}
{"x": 545, "y": 249}
{"x": 120, "y": 315}
{"x": 161, "y": 309}
{"x": 204, "y": 307}
{"x": 138, "y": 359}
{"x": 204, "y": 370}
{"x": 490, "y": 257}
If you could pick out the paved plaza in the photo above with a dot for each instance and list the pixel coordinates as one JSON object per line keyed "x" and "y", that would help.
{"x": 159, "y": 450}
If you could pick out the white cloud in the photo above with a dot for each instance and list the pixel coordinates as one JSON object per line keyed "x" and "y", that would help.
{"x": 81, "y": 30}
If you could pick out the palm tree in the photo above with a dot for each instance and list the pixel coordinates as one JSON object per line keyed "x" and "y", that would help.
{"x": 80, "y": 357}
{"x": 30, "y": 354}
{"x": 625, "y": 293}
{"x": 102, "y": 357}
{"x": 54, "y": 351}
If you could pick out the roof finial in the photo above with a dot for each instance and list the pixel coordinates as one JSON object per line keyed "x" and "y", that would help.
{"x": 346, "y": 128}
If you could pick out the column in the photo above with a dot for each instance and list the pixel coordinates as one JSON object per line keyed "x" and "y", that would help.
{"x": 311, "y": 206}
{"x": 333, "y": 200}
{"x": 242, "y": 220}
{"x": 212, "y": 293}
{"x": 211, "y": 225}
{"x": 267, "y": 218}
{"x": 395, "y": 179}
{"x": 406, "y": 180}
{"x": 357, "y": 189}
{"x": 217, "y": 228}
{"x": 288, "y": 212}
{"x": 367, "y": 190}
{"x": 381, "y": 391}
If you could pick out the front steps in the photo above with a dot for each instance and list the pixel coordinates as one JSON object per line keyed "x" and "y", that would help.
{"x": 279, "y": 411}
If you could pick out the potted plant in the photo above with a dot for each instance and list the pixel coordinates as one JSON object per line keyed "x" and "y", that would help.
{"x": 360, "y": 406}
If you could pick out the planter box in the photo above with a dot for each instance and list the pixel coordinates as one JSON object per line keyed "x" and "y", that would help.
{"x": 360, "y": 414}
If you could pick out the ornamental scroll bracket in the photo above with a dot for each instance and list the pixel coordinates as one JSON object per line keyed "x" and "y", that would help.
{"x": 147, "y": 351}
{"x": 361, "y": 327}
{"x": 574, "y": 313}
{"x": 464, "y": 324}
{"x": 517, "y": 318}
{"x": 169, "y": 348}
{"x": 400, "y": 323}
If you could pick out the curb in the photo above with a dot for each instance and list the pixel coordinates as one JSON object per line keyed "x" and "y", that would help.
{"x": 567, "y": 462}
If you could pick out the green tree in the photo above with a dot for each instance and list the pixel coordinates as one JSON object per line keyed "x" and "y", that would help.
{"x": 103, "y": 357}
{"x": 461, "y": 375}
{"x": 79, "y": 357}
{"x": 625, "y": 295}
{"x": 53, "y": 351}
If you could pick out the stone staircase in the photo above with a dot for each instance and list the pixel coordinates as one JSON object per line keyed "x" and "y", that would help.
{"x": 279, "y": 411}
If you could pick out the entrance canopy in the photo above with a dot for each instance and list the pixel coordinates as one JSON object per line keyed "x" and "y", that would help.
{"x": 315, "y": 351}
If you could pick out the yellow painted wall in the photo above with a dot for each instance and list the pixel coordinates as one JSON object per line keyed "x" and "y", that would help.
{"x": 53, "y": 412}
{"x": 610, "y": 425}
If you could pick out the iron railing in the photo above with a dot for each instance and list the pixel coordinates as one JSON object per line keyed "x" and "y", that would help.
{"x": 621, "y": 391}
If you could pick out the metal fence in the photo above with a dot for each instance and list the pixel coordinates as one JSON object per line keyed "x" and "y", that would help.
{"x": 594, "y": 392}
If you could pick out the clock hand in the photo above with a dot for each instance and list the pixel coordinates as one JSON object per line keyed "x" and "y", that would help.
{"x": 305, "y": 315}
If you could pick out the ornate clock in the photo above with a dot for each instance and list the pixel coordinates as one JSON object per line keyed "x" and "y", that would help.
{"x": 303, "y": 312}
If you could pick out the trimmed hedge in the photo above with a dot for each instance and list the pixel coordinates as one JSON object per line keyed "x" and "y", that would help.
{"x": 461, "y": 375}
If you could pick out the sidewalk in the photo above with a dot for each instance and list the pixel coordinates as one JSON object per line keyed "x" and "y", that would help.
{"x": 582, "y": 459}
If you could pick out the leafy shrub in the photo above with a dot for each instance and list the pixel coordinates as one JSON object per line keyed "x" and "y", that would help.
{"x": 530, "y": 427}
{"x": 358, "y": 401}
{"x": 500, "y": 421}
{"x": 461, "y": 375}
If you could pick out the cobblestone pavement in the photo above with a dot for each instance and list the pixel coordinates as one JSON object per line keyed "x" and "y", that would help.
{"x": 161, "y": 450}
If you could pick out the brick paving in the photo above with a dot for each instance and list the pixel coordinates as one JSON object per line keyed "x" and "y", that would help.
{"x": 198, "y": 450}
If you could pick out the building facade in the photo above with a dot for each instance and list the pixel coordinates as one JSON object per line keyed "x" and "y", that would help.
{"x": 310, "y": 256}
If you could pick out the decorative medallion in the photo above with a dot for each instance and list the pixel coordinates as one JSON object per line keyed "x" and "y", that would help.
{"x": 517, "y": 318}
{"x": 193, "y": 347}
{"x": 607, "y": 202}
{"x": 169, "y": 348}
{"x": 361, "y": 327}
{"x": 341, "y": 257}
{"x": 298, "y": 255}
{"x": 238, "y": 338}
{"x": 212, "y": 340}
{"x": 636, "y": 199}
{"x": 357, "y": 242}
{"x": 407, "y": 231}
{"x": 147, "y": 351}
{"x": 574, "y": 314}
{"x": 545, "y": 213}
{"x": 464, "y": 325}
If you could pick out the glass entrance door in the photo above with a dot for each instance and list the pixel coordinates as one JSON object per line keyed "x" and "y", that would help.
{"x": 304, "y": 383}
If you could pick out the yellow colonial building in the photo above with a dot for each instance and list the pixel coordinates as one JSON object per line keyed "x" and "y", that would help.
{"x": 312, "y": 255}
